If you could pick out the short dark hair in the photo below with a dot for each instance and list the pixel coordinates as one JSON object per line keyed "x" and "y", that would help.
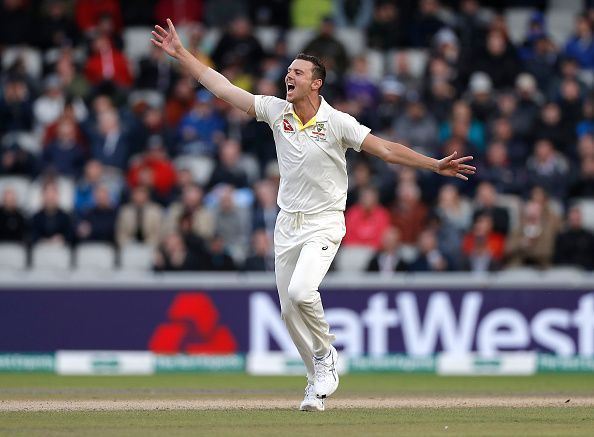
{"x": 319, "y": 70}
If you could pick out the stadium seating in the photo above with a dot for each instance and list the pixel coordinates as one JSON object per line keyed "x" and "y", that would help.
{"x": 353, "y": 258}
{"x": 66, "y": 193}
{"x": 13, "y": 256}
{"x": 138, "y": 257}
{"x": 51, "y": 256}
{"x": 94, "y": 256}
{"x": 201, "y": 167}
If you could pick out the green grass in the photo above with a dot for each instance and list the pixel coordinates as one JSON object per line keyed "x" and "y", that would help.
{"x": 418, "y": 422}
{"x": 564, "y": 420}
{"x": 184, "y": 386}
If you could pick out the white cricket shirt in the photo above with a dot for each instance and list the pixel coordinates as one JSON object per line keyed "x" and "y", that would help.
{"x": 311, "y": 157}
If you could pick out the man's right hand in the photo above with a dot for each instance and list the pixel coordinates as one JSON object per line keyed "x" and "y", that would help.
{"x": 168, "y": 40}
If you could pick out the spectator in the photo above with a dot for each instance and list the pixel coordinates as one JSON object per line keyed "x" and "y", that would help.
{"x": 93, "y": 176}
{"x": 155, "y": 72}
{"x": 391, "y": 105}
{"x": 386, "y": 31}
{"x": 517, "y": 149}
{"x": 481, "y": 97}
{"x": 219, "y": 260}
{"x": 482, "y": 247}
{"x": 107, "y": 64}
{"x": 260, "y": 259}
{"x": 328, "y": 48}
{"x": 388, "y": 259}
{"x": 229, "y": 169}
{"x": 221, "y": 13}
{"x": 16, "y": 22}
{"x": 239, "y": 45}
{"x": 271, "y": 13}
{"x": 110, "y": 145}
{"x": 359, "y": 86}
{"x": 266, "y": 209}
{"x": 455, "y": 216}
{"x": 90, "y": 12}
{"x": 581, "y": 45}
{"x": 173, "y": 255}
{"x": 140, "y": 220}
{"x": 574, "y": 246}
{"x": 471, "y": 25}
{"x": 195, "y": 244}
{"x": 57, "y": 28}
{"x": 13, "y": 226}
{"x": 203, "y": 221}
{"x": 498, "y": 60}
{"x": 51, "y": 224}
{"x": 139, "y": 12}
{"x": 425, "y": 24}
{"x": 584, "y": 185}
{"x": 486, "y": 204}
{"x": 180, "y": 12}
{"x": 483, "y": 237}
{"x": 65, "y": 155}
{"x": 462, "y": 115}
{"x": 202, "y": 128}
{"x": 180, "y": 102}
{"x": 15, "y": 160}
{"x": 98, "y": 222}
{"x": 154, "y": 170}
{"x": 429, "y": 258}
{"x": 542, "y": 62}
{"x": 366, "y": 221}
{"x": 356, "y": 14}
{"x": 532, "y": 242}
{"x": 586, "y": 124}
{"x": 417, "y": 127}
{"x": 232, "y": 222}
{"x": 548, "y": 168}
{"x": 550, "y": 126}
{"x": 16, "y": 106}
{"x": 409, "y": 214}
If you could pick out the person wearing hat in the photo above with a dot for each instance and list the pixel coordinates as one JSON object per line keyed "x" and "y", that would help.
{"x": 311, "y": 139}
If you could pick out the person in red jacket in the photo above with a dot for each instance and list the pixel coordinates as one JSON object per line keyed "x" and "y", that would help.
{"x": 89, "y": 12}
{"x": 366, "y": 220}
{"x": 153, "y": 169}
{"x": 106, "y": 63}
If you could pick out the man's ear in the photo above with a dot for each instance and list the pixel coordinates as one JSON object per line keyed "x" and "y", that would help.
{"x": 316, "y": 84}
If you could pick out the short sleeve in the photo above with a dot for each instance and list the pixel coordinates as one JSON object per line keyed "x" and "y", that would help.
{"x": 349, "y": 131}
{"x": 268, "y": 108}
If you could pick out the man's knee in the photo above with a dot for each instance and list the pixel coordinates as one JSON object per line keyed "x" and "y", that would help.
{"x": 300, "y": 292}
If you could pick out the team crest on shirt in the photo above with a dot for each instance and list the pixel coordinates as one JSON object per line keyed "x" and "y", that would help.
{"x": 319, "y": 131}
{"x": 287, "y": 126}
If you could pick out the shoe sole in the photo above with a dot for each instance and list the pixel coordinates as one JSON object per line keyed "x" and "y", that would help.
{"x": 311, "y": 408}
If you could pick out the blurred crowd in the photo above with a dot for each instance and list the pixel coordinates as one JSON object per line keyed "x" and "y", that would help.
{"x": 127, "y": 150}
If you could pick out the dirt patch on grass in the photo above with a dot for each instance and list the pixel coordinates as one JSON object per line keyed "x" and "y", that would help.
{"x": 283, "y": 403}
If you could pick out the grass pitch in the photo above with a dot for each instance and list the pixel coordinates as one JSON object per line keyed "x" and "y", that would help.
{"x": 283, "y": 394}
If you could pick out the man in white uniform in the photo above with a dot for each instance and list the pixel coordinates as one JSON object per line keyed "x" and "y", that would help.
{"x": 311, "y": 141}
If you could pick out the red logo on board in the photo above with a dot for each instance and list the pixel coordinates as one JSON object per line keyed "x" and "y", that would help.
{"x": 193, "y": 327}
{"x": 287, "y": 126}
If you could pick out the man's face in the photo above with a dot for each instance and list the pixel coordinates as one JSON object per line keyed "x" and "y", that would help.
{"x": 299, "y": 80}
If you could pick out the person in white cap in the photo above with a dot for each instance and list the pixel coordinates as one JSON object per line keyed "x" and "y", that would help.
{"x": 311, "y": 140}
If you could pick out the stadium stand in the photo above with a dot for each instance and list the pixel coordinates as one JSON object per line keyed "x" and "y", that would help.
{"x": 489, "y": 78}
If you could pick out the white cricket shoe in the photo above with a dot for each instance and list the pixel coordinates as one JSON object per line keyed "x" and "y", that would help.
{"x": 326, "y": 376}
{"x": 311, "y": 402}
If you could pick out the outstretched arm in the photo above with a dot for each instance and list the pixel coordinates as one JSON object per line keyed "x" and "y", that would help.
{"x": 396, "y": 153}
{"x": 216, "y": 83}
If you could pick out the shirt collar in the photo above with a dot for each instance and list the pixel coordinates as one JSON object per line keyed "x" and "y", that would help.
{"x": 321, "y": 115}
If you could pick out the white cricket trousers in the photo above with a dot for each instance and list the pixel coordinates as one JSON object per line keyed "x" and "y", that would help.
{"x": 304, "y": 247}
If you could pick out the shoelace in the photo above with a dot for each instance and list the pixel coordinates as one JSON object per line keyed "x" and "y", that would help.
{"x": 321, "y": 368}
{"x": 309, "y": 391}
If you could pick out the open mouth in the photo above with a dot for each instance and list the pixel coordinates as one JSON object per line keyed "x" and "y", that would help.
{"x": 290, "y": 87}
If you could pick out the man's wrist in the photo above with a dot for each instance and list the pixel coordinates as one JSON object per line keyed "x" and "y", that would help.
{"x": 434, "y": 165}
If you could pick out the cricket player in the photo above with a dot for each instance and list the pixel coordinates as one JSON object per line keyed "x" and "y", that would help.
{"x": 311, "y": 140}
